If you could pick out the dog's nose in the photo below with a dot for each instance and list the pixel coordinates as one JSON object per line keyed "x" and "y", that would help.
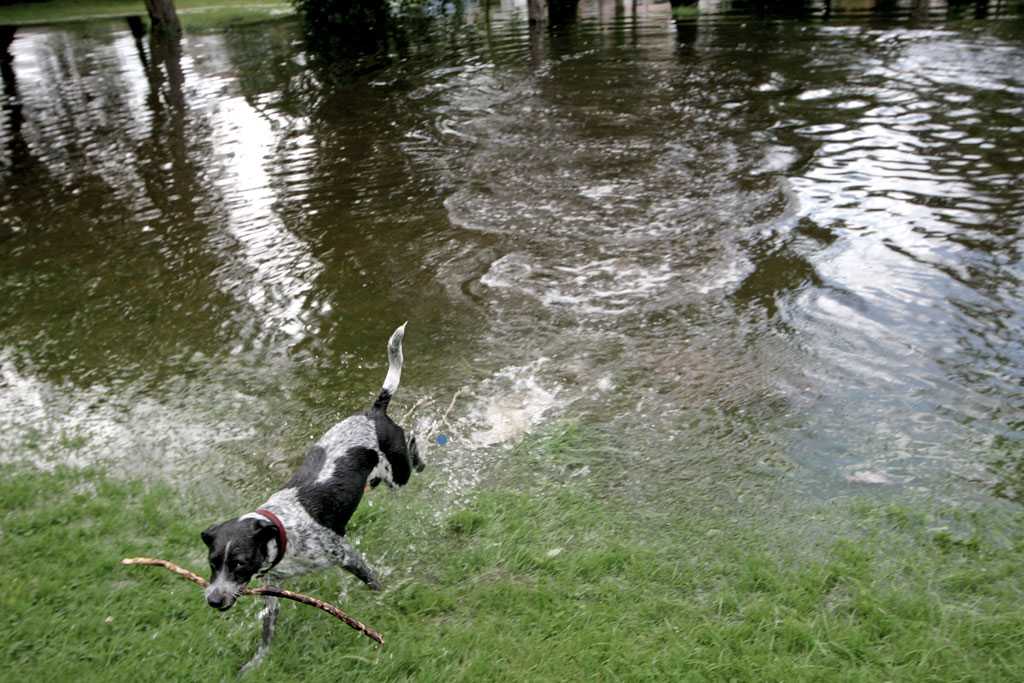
{"x": 223, "y": 604}
{"x": 222, "y": 600}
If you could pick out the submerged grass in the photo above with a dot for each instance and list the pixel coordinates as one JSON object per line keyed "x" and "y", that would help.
{"x": 550, "y": 577}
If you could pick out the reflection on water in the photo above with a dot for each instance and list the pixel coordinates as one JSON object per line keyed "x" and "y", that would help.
{"x": 275, "y": 269}
{"x": 915, "y": 176}
{"x": 741, "y": 244}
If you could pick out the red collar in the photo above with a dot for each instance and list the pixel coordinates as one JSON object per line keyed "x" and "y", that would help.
{"x": 282, "y": 540}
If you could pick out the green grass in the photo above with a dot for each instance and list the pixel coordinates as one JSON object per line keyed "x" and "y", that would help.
{"x": 686, "y": 12}
{"x": 547, "y": 576}
{"x": 195, "y": 15}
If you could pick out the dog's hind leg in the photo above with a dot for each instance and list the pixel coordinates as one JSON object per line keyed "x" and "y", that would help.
{"x": 353, "y": 562}
{"x": 271, "y": 608}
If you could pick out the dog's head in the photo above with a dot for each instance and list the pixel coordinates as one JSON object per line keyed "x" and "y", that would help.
{"x": 238, "y": 549}
{"x": 397, "y": 466}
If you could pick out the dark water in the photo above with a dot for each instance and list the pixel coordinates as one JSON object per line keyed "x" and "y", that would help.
{"x": 734, "y": 244}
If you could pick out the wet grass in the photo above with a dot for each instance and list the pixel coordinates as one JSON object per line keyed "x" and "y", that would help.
{"x": 548, "y": 576}
{"x": 195, "y": 15}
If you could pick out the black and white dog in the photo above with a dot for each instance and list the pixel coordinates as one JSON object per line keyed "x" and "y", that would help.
{"x": 301, "y": 528}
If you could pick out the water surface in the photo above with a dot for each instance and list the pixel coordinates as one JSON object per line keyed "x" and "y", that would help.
{"x": 737, "y": 245}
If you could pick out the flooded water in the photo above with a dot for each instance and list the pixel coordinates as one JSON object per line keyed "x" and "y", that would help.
{"x": 736, "y": 245}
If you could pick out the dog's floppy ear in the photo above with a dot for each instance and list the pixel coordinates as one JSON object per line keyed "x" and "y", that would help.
{"x": 414, "y": 453}
{"x": 209, "y": 533}
{"x": 266, "y": 531}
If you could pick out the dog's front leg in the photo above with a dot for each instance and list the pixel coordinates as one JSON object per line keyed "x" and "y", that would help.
{"x": 353, "y": 562}
{"x": 271, "y": 608}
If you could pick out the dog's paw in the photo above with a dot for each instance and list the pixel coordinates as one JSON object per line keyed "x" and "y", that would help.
{"x": 370, "y": 579}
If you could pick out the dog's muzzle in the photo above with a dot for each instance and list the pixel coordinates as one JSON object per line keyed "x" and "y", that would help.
{"x": 220, "y": 597}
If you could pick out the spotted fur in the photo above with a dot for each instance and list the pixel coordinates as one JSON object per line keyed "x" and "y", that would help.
{"x": 315, "y": 506}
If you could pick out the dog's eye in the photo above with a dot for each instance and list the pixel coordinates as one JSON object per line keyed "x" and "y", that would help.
{"x": 234, "y": 565}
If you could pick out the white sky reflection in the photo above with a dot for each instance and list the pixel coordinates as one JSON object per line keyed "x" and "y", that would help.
{"x": 276, "y": 267}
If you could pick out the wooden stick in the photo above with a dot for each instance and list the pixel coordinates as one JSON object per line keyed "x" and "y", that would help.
{"x": 276, "y": 592}
{"x": 418, "y": 404}
{"x": 463, "y": 390}
{"x": 168, "y": 565}
{"x": 272, "y": 591}
{"x": 444, "y": 418}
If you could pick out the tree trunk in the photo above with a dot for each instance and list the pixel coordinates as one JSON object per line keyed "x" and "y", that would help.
{"x": 536, "y": 11}
{"x": 561, "y": 12}
{"x": 163, "y": 16}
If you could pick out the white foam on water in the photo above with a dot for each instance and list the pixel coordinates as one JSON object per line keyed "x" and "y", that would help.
{"x": 27, "y": 401}
{"x": 47, "y": 423}
{"x": 599, "y": 287}
{"x": 480, "y": 423}
{"x": 513, "y": 402}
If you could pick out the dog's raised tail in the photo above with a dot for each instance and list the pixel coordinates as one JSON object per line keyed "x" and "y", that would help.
{"x": 394, "y": 375}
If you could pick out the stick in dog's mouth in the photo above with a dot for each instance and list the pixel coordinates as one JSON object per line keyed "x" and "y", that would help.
{"x": 272, "y": 591}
